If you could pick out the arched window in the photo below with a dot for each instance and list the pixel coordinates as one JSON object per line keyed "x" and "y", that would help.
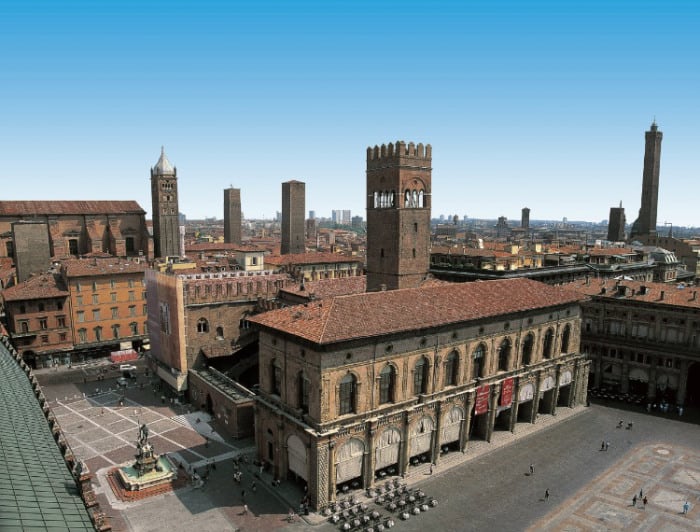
{"x": 376, "y": 200}
{"x": 414, "y": 198}
{"x": 348, "y": 390}
{"x": 548, "y": 343}
{"x": 407, "y": 199}
{"x": 421, "y": 199}
{"x": 220, "y": 333}
{"x": 420, "y": 376}
{"x": 303, "y": 388}
{"x": 202, "y": 325}
{"x": 504, "y": 355}
{"x": 527, "y": 348}
{"x": 451, "y": 369}
{"x": 24, "y": 326}
{"x": 565, "y": 337}
{"x": 478, "y": 361}
{"x": 387, "y": 379}
{"x": 276, "y": 377}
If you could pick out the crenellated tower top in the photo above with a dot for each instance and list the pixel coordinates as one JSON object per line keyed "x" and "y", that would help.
{"x": 399, "y": 153}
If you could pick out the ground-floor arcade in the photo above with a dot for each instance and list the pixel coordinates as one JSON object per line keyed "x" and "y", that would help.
{"x": 358, "y": 455}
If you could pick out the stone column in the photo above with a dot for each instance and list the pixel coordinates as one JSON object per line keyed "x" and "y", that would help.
{"x": 514, "y": 406}
{"x": 464, "y": 434}
{"x": 403, "y": 457}
{"x": 536, "y": 396}
{"x": 651, "y": 390}
{"x": 331, "y": 469}
{"x": 493, "y": 407}
{"x": 435, "y": 451}
{"x": 555, "y": 392}
{"x": 625, "y": 375}
{"x": 682, "y": 383}
{"x": 369, "y": 454}
{"x": 598, "y": 379}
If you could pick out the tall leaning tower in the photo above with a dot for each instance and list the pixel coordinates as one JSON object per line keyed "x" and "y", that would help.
{"x": 398, "y": 215}
{"x": 645, "y": 224}
{"x": 166, "y": 233}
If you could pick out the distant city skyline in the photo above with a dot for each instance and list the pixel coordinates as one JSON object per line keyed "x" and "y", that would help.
{"x": 539, "y": 104}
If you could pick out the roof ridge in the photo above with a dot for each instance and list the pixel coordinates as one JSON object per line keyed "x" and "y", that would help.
{"x": 329, "y": 310}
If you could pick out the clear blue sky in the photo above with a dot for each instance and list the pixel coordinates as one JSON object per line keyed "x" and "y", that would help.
{"x": 537, "y": 104}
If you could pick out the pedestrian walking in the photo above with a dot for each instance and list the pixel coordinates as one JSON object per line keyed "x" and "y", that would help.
{"x": 607, "y": 444}
{"x": 546, "y": 495}
{"x": 686, "y": 507}
{"x": 644, "y": 501}
{"x": 245, "y": 509}
{"x": 431, "y": 469}
{"x": 634, "y": 500}
{"x": 602, "y": 445}
{"x": 532, "y": 469}
{"x": 641, "y": 494}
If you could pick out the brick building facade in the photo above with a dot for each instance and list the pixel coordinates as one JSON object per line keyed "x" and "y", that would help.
{"x": 196, "y": 317}
{"x": 80, "y": 227}
{"x": 643, "y": 339}
{"x": 358, "y": 386}
{"x": 398, "y": 215}
{"x": 81, "y": 309}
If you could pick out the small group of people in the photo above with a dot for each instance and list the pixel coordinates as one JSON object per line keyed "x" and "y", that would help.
{"x": 644, "y": 500}
{"x": 629, "y": 424}
{"x": 604, "y": 445}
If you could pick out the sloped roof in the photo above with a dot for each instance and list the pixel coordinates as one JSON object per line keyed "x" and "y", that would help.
{"x": 43, "y": 286}
{"x": 309, "y": 258}
{"x": 37, "y": 491}
{"x": 101, "y": 266}
{"x": 381, "y": 313}
{"x": 50, "y": 208}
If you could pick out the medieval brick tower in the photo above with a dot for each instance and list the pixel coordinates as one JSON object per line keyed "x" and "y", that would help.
{"x": 645, "y": 224}
{"x": 166, "y": 232}
{"x": 616, "y": 224}
{"x": 293, "y": 211}
{"x": 398, "y": 215}
{"x": 232, "y": 215}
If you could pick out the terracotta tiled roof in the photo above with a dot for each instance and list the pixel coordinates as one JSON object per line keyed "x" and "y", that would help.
{"x": 111, "y": 266}
{"x": 43, "y": 286}
{"x": 467, "y": 252}
{"x": 221, "y": 246}
{"x": 42, "y": 208}
{"x": 381, "y": 313}
{"x": 689, "y": 296}
{"x": 309, "y": 258}
{"x": 326, "y": 288}
{"x": 611, "y": 251}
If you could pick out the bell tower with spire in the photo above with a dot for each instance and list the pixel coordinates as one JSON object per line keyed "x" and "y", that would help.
{"x": 166, "y": 232}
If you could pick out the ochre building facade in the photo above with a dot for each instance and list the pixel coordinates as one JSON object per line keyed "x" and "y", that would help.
{"x": 357, "y": 387}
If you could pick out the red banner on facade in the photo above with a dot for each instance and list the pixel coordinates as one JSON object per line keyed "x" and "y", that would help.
{"x": 507, "y": 392}
{"x": 482, "y": 400}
